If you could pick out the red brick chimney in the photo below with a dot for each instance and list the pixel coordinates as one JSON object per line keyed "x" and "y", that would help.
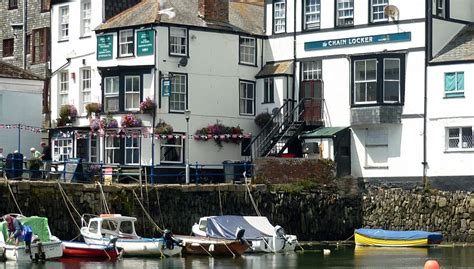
{"x": 214, "y": 10}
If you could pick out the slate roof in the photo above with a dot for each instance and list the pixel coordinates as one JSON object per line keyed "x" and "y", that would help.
{"x": 243, "y": 17}
{"x": 278, "y": 68}
{"x": 10, "y": 71}
{"x": 460, "y": 48}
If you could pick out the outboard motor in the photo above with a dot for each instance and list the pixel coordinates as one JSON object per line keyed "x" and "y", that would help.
{"x": 280, "y": 232}
{"x": 239, "y": 235}
{"x": 170, "y": 240}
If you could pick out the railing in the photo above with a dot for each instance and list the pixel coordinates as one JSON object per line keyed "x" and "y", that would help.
{"x": 276, "y": 127}
{"x": 68, "y": 171}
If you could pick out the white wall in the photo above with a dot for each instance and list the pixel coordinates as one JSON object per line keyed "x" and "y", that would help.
{"x": 20, "y": 103}
{"x": 443, "y": 33}
{"x": 448, "y": 112}
{"x": 462, "y": 10}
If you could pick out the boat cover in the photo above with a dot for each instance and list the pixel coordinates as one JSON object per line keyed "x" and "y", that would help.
{"x": 226, "y": 227}
{"x": 39, "y": 226}
{"x": 399, "y": 235}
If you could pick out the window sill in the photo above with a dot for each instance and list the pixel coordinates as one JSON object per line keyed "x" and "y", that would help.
{"x": 247, "y": 115}
{"x": 454, "y": 97}
{"x": 63, "y": 40}
{"x": 248, "y": 64}
{"x": 266, "y": 103}
{"x": 125, "y": 56}
{"x": 344, "y": 26}
{"x": 178, "y": 55}
{"x": 379, "y": 22}
{"x": 85, "y": 37}
{"x": 470, "y": 150}
{"x": 10, "y": 57}
{"x": 376, "y": 167}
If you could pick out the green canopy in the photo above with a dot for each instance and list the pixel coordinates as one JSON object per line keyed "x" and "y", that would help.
{"x": 39, "y": 225}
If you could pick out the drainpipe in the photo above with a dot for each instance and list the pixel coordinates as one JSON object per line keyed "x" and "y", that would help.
{"x": 25, "y": 29}
{"x": 294, "y": 57}
{"x": 428, "y": 25}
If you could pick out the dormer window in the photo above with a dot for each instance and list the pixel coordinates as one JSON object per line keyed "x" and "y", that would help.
{"x": 126, "y": 43}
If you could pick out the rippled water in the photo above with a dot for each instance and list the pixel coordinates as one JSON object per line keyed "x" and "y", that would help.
{"x": 340, "y": 257}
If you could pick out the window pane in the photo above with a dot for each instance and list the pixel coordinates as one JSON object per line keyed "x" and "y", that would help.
{"x": 391, "y": 91}
{"x": 371, "y": 91}
{"x": 359, "y": 70}
{"x": 460, "y": 81}
{"x": 392, "y": 69}
{"x": 467, "y": 137}
{"x": 360, "y": 92}
{"x": 449, "y": 82}
{"x": 371, "y": 70}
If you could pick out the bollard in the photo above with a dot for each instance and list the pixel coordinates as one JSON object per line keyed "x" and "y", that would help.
{"x": 431, "y": 264}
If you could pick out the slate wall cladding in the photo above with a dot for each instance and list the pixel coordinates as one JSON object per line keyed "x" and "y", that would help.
{"x": 376, "y": 115}
{"x": 11, "y": 27}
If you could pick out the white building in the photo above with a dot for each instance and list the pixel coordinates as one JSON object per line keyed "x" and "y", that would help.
{"x": 194, "y": 56}
{"x": 20, "y": 109}
{"x": 360, "y": 64}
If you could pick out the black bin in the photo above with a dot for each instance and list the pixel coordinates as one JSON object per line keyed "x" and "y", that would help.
{"x": 14, "y": 165}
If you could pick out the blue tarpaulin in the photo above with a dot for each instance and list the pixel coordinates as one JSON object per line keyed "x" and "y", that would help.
{"x": 399, "y": 235}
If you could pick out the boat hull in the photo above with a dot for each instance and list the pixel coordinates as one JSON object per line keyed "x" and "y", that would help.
{"x": 43, "y": 251}
{"x": 273, "y": 244}
{"x": 197, "y": 245}
{"x": 362, "y": 240}
{"x": 83, "y": 250}
{"x": 138, "y": 247}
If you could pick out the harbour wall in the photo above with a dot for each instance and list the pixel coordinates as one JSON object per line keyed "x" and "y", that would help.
{"x": 326, "y": 213}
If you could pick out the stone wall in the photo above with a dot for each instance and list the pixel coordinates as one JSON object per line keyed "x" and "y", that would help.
{"x": 318, "y": 215}
{"x": 451, "y": 213}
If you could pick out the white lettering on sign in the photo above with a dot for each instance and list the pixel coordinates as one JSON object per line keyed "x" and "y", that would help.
{"x": 349, "y": 41}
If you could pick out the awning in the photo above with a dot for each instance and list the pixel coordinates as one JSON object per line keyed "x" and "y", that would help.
{"x": 324, "y": 132}
{"x": 276, "y": 69}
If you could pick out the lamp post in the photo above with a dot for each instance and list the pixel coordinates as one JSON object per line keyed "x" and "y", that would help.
{"x": 187, "y": 114}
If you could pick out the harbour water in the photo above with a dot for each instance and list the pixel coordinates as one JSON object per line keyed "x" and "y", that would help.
{"x": 340, "y": 257}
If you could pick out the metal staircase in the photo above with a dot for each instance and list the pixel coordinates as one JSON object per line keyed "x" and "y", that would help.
{"x": 283, "y": 128}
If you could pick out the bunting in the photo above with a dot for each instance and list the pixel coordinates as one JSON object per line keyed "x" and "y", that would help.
{"x": 21, "y": 127}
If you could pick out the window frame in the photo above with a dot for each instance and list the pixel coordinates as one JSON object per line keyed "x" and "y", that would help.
{"x": 132, "y": 148}
{"x": 380, "y": 72}
{"x": 172, "y": 92}
{"x": 442, "y": 11}
{"x": 63, "y": 21}
{"x": 126, "y": 43}
{"x": 39, "y": 52}
{"x": 177, "y": 45}
{"x": 336, "y": 14}
{"x": 243, "y": 48}
{"x": 8, "y": 47}
{"x": 382, "y": 144}
{"x": 268, "y": 90}
{"x": 113, "y": 94}
{"x": 85, "y": 18}
{"x": 311, "y": 25}
{"x": 179, "y": 146}
{"x": 132, "y": 92}
{"x": 460, "y": 139}
{"x": 63, "y": 87}
{"x": 12, "y": 4}
{"x": 399, "y": 80}
{"x": 283, "y": 18}
{"x": 372, "y": 13}
{"x": 245, "y": 98}
{"x": 85, "y": 91}
{"x": 116, "y": 150}
{"x": 456, "y": 92}
{"x": 61, "y": 144}
{"x": 44, "y": 6}
{"x": 311, "y": 73}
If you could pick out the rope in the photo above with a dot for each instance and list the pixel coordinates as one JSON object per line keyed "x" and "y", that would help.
{"x": 110, "y": 258}
{"x": 220, "y": 199}
{"x": 70, "y": 213}
{"x": 13, "y": 195}
{"x": 348, "y": 238}
{"x": 251, "y": 198}
{"x": 203, "y": 248}
{"x": 146, "y": 213}
{"x": 229, "y": 249}
{"x": 102, "y": 197}
{"x": 299, "y": 245}
{"x": 268, "y": 245}
{"x": 159, "y": 207}
{"x": 69, "y": 200}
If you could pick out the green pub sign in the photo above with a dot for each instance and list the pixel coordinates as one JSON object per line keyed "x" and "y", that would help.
{"x": 105, "y": 47}
{"x": 145, "y": 42}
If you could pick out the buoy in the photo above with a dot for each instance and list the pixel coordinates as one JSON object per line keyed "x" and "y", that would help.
{"x": 431, "y": 264}
{"x": 326, "y": 251}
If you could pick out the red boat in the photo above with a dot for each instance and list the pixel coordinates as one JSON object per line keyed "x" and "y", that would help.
{"x": 90, "y": 251}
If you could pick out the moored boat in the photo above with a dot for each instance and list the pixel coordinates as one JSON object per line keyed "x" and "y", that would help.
{"x": 262, "y": 235}
{"x": 43, "y": 246}
{"x": 101, "y": 229}
{"x": 199, "y": 245}
{"x": 91, "y": 251}
{"x": 388, "y": 238}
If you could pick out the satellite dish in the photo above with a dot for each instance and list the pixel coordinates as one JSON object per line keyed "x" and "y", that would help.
{"x": 183, "y": 62}
{"x": 391, "y": 11}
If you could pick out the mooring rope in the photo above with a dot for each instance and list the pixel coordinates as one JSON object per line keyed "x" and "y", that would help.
{"x": 251, "y": 197}
{"x": 67, "y": 198}
{"x": 13, "y": 195}
{"x": 67, "y": 206}
{"x": 203, "y": 248}
{"x": 159, "y": 207}
{"x": 146, "y": 213}
{"x": 229, "y": 249}
{"x": 102, "y": 197}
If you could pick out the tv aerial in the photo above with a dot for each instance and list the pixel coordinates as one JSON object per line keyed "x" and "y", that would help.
{"x": 392, "y": 12}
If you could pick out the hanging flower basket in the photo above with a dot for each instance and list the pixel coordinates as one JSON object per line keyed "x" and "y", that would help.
{"x": 68, "y": 113}
{"x": 93, "y": 108}
{"x": 148, "y": 106}
{"x": 96, "y": 124}
{"x": 109, "y": 123}
{"x": 163, "y": 128}
{"x": 130, "y": 121}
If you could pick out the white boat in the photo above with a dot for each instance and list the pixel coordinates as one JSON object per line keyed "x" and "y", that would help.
{"x": 101, "y": 229}
{"x": 263, "y": 236}
{"x": 45, "y": 246}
